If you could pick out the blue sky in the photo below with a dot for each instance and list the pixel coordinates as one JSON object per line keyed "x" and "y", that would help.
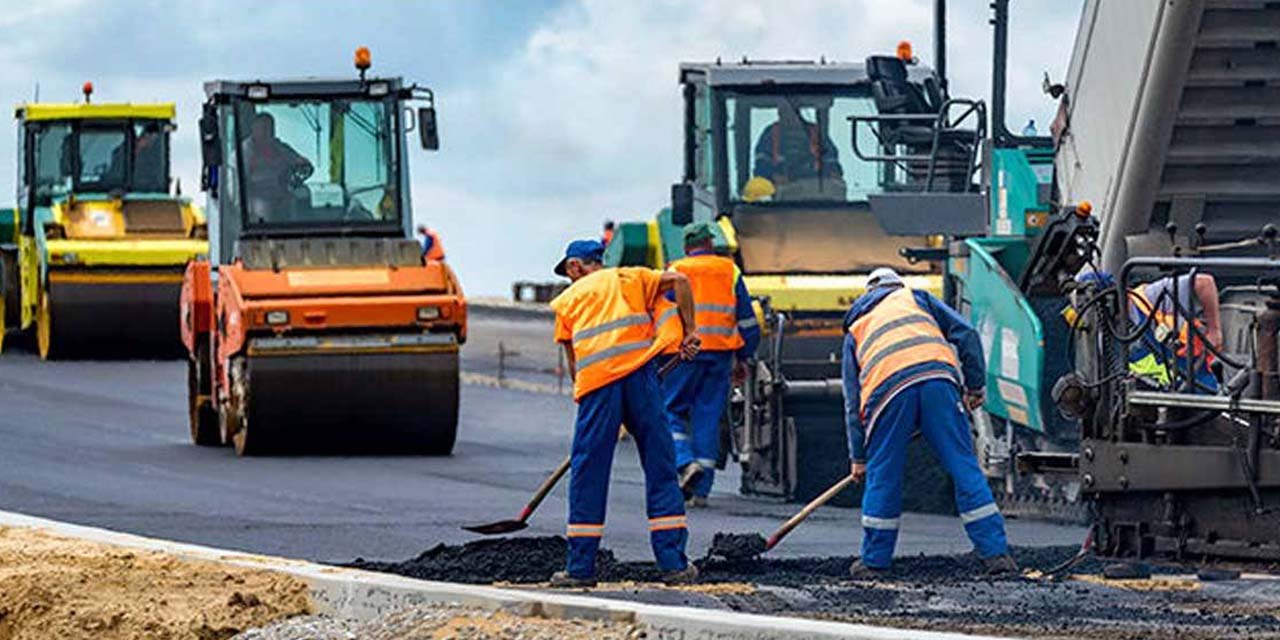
{"x": 553, "y": 115}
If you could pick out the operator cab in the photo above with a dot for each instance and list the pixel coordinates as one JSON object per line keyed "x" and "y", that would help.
{"x": 96, "y": 156}
{"x": 793, "y": 152}
{"x": 310, "y": 158}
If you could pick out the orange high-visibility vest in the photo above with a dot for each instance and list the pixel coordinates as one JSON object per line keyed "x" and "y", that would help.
{"x": 616, "y": 321}
{"x": 894, "y": 335}
{"x": 436, "y": 252}
{"x": 1166, "y": 320}
{"x": 712, "y": 279}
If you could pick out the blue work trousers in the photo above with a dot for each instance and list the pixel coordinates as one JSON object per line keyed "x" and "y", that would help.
{"x": 695, "y": 394}
{"x": 634, "y": 400}
{"x": 932, "y": 407}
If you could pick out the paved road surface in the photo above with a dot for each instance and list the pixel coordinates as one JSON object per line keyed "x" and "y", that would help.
{"x": 105, "y": 444}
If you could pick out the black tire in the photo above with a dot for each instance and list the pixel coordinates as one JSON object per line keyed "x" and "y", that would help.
{"x": 12, "y": 289}
{"x": 247, "y": 444}
{"x": 202, "y": 418}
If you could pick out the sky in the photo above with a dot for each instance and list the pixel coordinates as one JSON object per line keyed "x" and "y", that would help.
{"x": 554, "y": 114}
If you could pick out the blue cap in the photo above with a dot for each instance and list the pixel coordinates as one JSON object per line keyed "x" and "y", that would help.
{"x": 582, "y": 250}
{"x": 1101, "y": 278}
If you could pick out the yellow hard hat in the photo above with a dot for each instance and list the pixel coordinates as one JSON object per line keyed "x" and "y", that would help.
{"x": 758, "y": 189}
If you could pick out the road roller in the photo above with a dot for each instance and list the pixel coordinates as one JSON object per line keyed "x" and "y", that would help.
{"x": 317, "y": 324}
{"x": 92, "y": 257}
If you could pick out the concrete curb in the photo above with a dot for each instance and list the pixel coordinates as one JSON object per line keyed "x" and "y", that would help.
{"x": 362, "y": 594}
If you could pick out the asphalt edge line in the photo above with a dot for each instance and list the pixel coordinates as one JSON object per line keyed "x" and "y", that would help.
{"x": 494, "y": 382}
{"x": 511, "y": 310}
{"x": 361, "y": 595}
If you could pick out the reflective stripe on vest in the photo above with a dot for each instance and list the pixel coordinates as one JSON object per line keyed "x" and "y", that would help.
{"x": 894, "y": 335}
{"x": 713, "y": 279}
{"x": 611, "y": 314}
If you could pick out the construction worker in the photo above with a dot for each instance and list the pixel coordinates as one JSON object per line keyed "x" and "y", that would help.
{"x": 432, "y": 248}
{"x": 1151, "y": 357}
{"x": 798, "y": 158}
{"x": 695, "y": 394}
{"x": 612, "y": 323}
{"x": 901, "y": 375}
{"x": 276, "y": 172}
{"x": 606, "y": 236}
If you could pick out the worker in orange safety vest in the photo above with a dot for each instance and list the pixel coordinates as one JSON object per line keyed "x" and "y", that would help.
{"x": 432, "y": 248}
{"x": 612, "y": 323}
{"x": 906, "y": 360}
{"x": 696, "y": 394}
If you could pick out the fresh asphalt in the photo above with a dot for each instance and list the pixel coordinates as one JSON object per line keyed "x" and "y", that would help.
{"x": 104, "y": 443}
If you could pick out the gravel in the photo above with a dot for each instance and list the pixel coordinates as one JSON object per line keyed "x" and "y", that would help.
{"x": 442, "y": 621}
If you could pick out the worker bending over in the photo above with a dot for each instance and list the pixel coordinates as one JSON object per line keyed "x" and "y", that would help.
{"x": 696, "y": 393}
{"x": 901, "y": 375}
{"x": 1160, "y": 346}
{"x": 432, "y": 248}
{"x": 612, "y": 323}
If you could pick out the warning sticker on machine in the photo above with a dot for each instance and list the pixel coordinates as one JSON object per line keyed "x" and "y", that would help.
{"x": 1009, "y": 353}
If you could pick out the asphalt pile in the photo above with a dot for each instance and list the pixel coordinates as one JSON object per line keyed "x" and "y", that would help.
{"x": 940, "y": 592}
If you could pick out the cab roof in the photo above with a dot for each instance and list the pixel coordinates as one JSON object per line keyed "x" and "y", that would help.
{"x": 300, "y": 87}
{"x": 94, "y": 111}
{"x": 770, "y": 72}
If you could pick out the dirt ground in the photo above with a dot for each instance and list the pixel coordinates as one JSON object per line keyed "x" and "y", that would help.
{"x": 54, "y": 587}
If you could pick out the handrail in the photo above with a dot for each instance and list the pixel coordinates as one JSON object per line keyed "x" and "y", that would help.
{"x": 941, "y": 122}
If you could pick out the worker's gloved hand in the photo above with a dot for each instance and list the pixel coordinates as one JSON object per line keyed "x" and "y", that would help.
{"x": 739, "y": 372}
{"x": 973, "y": 398}
{"x": 690, "y": 346}
{"x": 858, "y": 470}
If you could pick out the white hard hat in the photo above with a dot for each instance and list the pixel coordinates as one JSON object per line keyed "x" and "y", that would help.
{"x": 883, "y": 276}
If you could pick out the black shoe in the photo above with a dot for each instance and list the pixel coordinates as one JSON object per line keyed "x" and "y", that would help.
{"x": 687, "y": 575}
{"x": 689, "y": 475}
{"x": 562, "y": 580}
{"x": 696, "y": 502}
{"x": 859, "y": 571}
{"x": 1001, "y": 565}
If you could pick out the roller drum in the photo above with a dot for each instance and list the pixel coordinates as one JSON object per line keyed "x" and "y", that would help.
{"x": 396, "y": 401}
{"x": 124, "y": 318}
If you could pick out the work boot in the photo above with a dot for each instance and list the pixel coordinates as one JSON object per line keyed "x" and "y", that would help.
{"x": 689, "y": 475}
{"x": 1001, "y": 565}
{"x": 860, "y": 571}
{"x": 696, "y": 502}
{"x": 687, "y": 575}
{"x": 562, "y": 580}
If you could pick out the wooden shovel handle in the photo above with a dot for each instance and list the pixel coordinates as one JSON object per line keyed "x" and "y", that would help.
{"x": 547, "y": 485}
{"x": 808, "y": 509}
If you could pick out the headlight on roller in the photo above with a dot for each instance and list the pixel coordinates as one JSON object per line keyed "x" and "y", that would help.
{"x": 277, "y": 317}
{"x": 428, "y": 313}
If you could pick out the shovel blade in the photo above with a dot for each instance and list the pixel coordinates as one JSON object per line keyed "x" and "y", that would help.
{"x": 497, "y": 528}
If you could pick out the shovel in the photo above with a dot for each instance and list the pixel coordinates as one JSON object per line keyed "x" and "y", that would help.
{"x": 522, "y": 521}
{"x": 744, "y": 547}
